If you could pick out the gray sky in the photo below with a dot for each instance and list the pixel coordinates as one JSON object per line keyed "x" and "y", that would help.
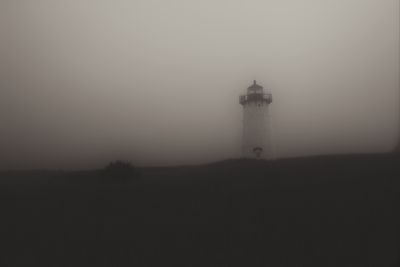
{"x": 157, "y": 82}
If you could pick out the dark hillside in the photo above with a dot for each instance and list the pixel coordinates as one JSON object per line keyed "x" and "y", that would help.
{"x": 318, "y": 211}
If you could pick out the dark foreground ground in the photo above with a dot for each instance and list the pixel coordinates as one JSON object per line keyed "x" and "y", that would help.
{"x": 323, "y": 211}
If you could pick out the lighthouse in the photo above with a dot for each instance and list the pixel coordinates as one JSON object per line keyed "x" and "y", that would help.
{"x": 256, "y": 132}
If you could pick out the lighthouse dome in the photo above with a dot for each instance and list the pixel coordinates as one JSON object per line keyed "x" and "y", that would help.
{"x": 255, "y": 88}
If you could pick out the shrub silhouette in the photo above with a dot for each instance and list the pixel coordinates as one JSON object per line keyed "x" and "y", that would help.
{"x": 120, "y": 167}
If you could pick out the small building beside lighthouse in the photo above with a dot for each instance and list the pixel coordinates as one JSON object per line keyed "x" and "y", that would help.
{"x": 256, "y": 141}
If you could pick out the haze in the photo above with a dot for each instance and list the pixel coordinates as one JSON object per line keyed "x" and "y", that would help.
{"x": 157, "y": 82}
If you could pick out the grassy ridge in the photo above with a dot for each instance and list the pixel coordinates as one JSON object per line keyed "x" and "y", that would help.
{"x": 320, "y": 211}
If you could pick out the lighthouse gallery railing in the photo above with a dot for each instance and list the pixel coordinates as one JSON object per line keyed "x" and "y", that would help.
{"x": 255, "y": 98}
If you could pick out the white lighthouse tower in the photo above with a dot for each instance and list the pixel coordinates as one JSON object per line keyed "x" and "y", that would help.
{"x": 256, "y": 133}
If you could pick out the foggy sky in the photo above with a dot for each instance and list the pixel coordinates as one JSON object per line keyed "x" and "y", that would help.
{"x": 157, "y": 82}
